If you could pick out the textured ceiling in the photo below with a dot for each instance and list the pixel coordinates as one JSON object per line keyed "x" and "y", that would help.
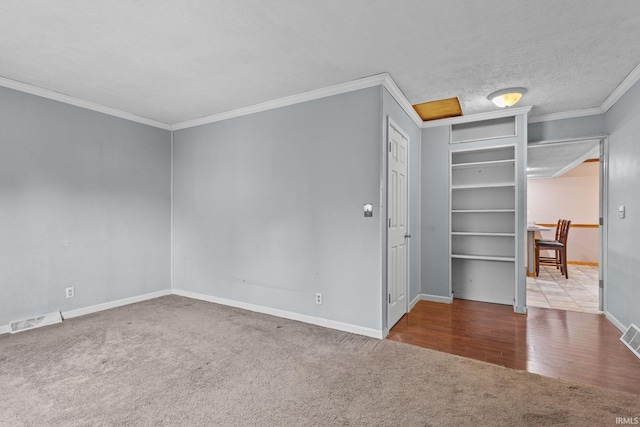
{"x": 173, "y": 61}
{"x": 556, "y": 159}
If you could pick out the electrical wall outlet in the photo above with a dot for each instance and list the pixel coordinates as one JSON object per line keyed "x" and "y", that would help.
{"x": 69, "y": 292}
{"x": 318, "y": 298}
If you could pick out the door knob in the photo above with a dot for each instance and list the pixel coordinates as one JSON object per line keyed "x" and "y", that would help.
{"x": 407, "y": 236}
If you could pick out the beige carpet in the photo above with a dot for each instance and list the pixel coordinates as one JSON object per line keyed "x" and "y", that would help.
{"x": 174, "y": 361}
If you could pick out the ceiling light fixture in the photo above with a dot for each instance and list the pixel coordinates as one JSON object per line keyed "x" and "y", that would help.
{"x": 507, "y": 97}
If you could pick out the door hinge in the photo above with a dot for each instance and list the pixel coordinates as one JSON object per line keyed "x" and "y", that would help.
{"x": 601, "y": 284}
{"x": 601, "y": 221}
{"x": 389, "y": 147}
{"x": 389, "y": 298}
{"x": 389, "y": 222}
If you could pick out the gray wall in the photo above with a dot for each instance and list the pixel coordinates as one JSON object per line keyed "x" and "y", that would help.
{"x": 268, "y": 208}
{"x": 623, "y": 275}
{"x": 577, "y": 127}
{"x": 391, "y": 108}
{"x": 84, "y": 202}
{"x": 435, "y": 211}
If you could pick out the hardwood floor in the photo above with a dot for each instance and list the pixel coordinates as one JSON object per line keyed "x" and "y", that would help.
{"x": 580, "y": 347}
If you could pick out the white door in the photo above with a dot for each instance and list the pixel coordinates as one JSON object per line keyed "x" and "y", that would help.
{"x": 398, "y": 228}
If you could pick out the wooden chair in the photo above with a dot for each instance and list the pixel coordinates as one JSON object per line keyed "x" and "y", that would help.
{"x": 558, "y": 246}
{"x": 555, "y": 239}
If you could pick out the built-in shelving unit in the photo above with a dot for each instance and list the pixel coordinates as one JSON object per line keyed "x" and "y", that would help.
{"x": 483, "y": 223}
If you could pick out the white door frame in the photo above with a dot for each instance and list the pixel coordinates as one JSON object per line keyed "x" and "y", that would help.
{"x": 603, "y": 207}
{"x": 393, "y": 124}
{"x": 604, "y": 194}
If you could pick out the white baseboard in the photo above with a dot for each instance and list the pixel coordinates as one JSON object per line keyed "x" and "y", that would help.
{"x": 436, "y": 298}
{"x": 414, "y": 302}
{"x": 428, "y": 297}
{"x": 520, "y": 309}
{"x": 113, "y": 304}
{"x": 6, "y": 329}
{"x": 618, "y": 324}
{"x": 332, "y": 324}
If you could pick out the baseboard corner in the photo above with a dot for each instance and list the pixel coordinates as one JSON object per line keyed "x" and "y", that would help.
{"x": 113, "y": 304}
{"x": 414, "y": 301}
{"x": 436, "y": 298}
{"x": 618, "y": 324}
{"x": 305, "y": 318}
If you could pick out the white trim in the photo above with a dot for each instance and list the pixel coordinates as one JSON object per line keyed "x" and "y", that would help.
{"x": 589, "y": 155}
{"x": 520, "y": 309}
{"x": 566, "y": 140}
{"x": 432, "y": 298}
{"x": 42, "y": 320}
{"x": 171, "y": 218}
{"x": 332, "y": 324}
{"x": 436, "y": 298}
{"x": 507, "y": 112}
{"x": 414, "y": 302}
{"x": 566, "y": 115}
{"x": 5, "y": 329}
{"x": 401, "y": 99}
{"x": 113, "y": 304}
{"x": 618, "y": 92}
{"x": 618, "y": 324}
{"x": 338, "y": 89}
{"x": 604, "y": 229}
{"x": 623, "y": 87}
{"x": 391, "y": 124}
{"x": 77, "y": 102}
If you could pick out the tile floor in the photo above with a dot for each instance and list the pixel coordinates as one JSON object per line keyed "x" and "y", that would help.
{"x": 577, "y": 293}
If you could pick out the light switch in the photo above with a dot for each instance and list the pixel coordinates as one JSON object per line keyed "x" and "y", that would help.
{"x": 621, "y": 211}
{"x": 368, "y": 210}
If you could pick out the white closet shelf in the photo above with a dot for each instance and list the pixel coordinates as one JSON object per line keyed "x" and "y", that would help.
{"x": 484, "y": 257}
{"x": 478, "y": 233}
{"x": 482, "y": 210}
{"x": 486, "y": 163}
{"x": 495, "y": 185}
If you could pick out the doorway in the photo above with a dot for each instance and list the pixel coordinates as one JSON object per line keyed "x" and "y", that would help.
{"x": 398, "y": 223}
{"x": 567, "y": 180}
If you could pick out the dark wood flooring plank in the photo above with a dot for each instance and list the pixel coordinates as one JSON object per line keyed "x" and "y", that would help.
{"x": 579, "y": 347}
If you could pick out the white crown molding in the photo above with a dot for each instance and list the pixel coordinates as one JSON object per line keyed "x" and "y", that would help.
{"x": 378, "y": 79}
{"x": 566, "y": 115}
{"x": 593, "y": 154}
{"x": 618, "y": 92}
{"x": 401, "y": 99}
{"x": 507, "y": 112}
{"x": 319, "y": 321}
{"x": 630, "y": 80}
{"x": 77, "y": 102}
{"x": 338, "y": 89}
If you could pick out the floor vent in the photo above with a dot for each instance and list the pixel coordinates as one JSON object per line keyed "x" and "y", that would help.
{"x": 631, "y": 339}
{"x": 35, "y": 322}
